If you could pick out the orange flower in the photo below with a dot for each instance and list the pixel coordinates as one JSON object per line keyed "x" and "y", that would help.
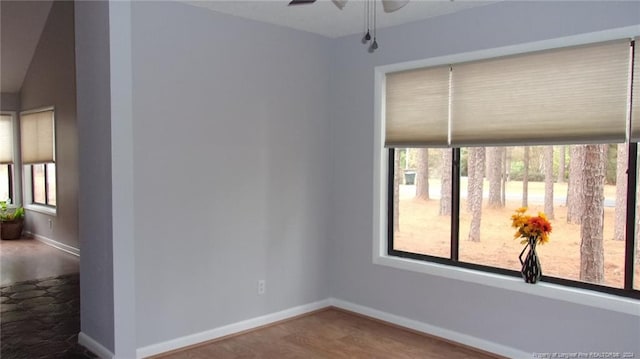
{"x": 537, "y": 227}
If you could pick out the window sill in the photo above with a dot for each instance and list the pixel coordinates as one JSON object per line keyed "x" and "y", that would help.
{"x": 548, "y": 290}
{"x": 41, "y": 209}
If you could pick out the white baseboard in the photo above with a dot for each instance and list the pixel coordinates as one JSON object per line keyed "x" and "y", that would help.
{"x": 238, "y": 327}
{"x": 95, "y": 347}
{"x": 55, "y": 244}
{"x": 433, "y": 330}
{"x": 234, "y": 328}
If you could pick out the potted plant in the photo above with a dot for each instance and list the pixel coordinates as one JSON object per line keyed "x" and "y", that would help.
{"x": 11, "y": 221}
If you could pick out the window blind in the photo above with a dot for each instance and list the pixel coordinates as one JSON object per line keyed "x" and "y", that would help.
{"x": 37, "y": 137}
{"x": 417, "y": 107}
{"x": 6, "y": 140}
{"x": 635, "y": 108}
{"x": 564, "y": 95}
{"x": 568, "y": 95}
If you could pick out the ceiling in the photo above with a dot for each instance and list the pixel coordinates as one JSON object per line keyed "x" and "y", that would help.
{"x": 325, "y": 18}
{"x": 21, "y": 23}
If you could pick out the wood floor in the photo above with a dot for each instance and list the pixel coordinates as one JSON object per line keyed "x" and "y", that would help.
{"x": 330, "y": 333}
{"x": 28, "y": 259}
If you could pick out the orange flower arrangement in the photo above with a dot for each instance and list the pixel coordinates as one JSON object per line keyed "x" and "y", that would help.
{"x": 529, "y": 227}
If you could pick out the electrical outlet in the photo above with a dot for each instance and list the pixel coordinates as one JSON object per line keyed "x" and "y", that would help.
{"x": 262, "y": 286}
{"x": 50, "y": 224}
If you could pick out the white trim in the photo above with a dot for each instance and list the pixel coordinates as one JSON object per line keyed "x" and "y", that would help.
{"x": 233, "y": 328}
{"x": 52, "y": 211}
{"x": 446, "y": 334}
{"x": 55, "y": 244}
{"x": 39, "y": 109}
{"x": 433, "y": 330}
{"x": 580, "y": 296}
{"x": 95, "y": 347}
{"x": 582, "y": 39}
{"x": 547, "y": 290}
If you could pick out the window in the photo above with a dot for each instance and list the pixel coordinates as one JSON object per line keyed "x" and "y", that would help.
{"x": 469, "y": 143}
{"x": 43, "y": 184}
{"x": 6, "y": 158}
{"x": 38, "y": 156}
{"x": 6, "y": 183}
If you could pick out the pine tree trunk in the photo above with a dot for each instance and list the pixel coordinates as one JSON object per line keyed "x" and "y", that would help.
{"x": 396, "y": 190}
{"x": 525, "y": 178}
{"x": 422, "y": 174}
{"x": 574, "y": 188}
{"x": 591, "y": 247}
{"x": 621, "y": 192}
{"x": 494, "y": 168}
{"x": 471, "y": 168}
{"x": 505, "y": 173}
{"x": 475, "y": 197}
{"x": 561, "y": 165}
{"x": 445, "y": 187}
{"x": 548, "y": 182}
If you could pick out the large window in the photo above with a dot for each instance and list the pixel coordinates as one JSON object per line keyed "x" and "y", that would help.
{"x": 38, "y": 156}
{"x": 470, "y": 143}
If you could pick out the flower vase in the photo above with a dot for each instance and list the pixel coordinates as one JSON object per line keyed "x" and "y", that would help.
{"x": 531, "y": 269}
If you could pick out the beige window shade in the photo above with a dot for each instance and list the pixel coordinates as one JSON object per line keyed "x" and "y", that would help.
{"x": 6, "y": 140}
{"x": 37, "y": 137}
{"x": 417, "y": 107}
{"x": 574, "y": 95}
{"x": 635, "y": 108}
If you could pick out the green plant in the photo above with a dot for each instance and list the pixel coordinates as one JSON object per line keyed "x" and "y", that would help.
{"x": 6, "y": 215}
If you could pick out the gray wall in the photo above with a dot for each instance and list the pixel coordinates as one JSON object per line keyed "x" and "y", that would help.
{"x": 522, "y": 321}
{"x": 95, "y": 201}
{"x": 50, "y": 81}
{"x": 231, "y": 168}
{"x": 9, "y": 101}
{"x": 251, "y": 158}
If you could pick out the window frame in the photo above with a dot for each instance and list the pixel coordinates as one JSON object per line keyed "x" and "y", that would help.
{"x": 46, "y": 189}
{"x": 453, "y": 260}
{"x": 27, "y": 172}
{"x": 14, "y": 172}
{"x": 10, "y": 181}
{"x": 559, "y": 289}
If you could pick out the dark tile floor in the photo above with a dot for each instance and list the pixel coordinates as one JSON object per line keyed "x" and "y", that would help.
{"x": 41, "y": 319}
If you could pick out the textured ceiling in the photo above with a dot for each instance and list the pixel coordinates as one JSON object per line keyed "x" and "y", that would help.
{"x": 325, "y": 18}
{"x": 21, "y": 23}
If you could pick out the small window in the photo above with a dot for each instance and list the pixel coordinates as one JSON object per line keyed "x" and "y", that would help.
{"x": 43, "y": 181}
{"x": 6, "y": 182}
{"x": 6, "y": 158}
{"x": 38, "y": 156}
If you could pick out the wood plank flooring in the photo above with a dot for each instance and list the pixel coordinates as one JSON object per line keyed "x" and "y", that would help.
{"x": 330, "y": 333}
{"x": 28, "y": 259}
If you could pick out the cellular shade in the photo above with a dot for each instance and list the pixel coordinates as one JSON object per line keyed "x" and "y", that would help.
{"x": 635, "y": 108}
{"x": 37, "y": 137}
{"x": 6, "y": 140}
{"x": 576, "y": 94}
{"x": 417, "y": 107}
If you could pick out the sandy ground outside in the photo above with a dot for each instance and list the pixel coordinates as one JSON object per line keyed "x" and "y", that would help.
{"x": 423, "y": 230}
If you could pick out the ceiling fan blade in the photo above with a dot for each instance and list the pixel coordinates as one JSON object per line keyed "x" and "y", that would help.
{"x": 393, "y": 5}
{"x": 301, "y": 2}
{"x": 340, "y": 3}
